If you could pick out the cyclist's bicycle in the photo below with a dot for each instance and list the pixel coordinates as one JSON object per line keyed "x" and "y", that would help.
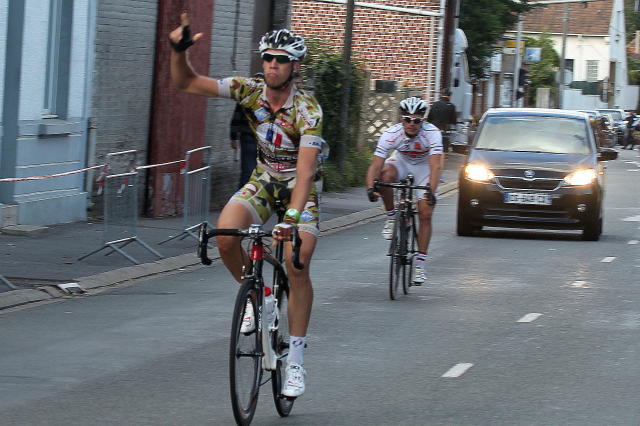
{"x": 403, "y": 248}
{"x": 265, "y": 348}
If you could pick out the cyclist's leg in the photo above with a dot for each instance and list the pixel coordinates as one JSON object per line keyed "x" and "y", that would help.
{"x": 425, "y": 213}
{"x": 250, "y": 204}
{"x": 233, "y": 216}
{"x": 390, "y": 173}
{"x": 301, "y": 289}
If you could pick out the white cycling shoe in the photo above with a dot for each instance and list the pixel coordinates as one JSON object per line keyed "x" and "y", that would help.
{"x": 293, "y": 385}
{"x": 387, "y": 230}
{"x": 249, "y": 319}
{"x": 419, "y": 276}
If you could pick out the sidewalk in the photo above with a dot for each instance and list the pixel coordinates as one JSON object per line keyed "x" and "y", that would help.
{"x": 36, "y": 262}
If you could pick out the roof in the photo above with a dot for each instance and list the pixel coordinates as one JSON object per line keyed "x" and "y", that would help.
{"x": 592, "y": 20}
{"x": 537, "y": 111}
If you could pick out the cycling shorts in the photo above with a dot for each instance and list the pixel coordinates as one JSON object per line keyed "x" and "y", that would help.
{"x": 421, "y": 173}
{"x": 262, "y": 190}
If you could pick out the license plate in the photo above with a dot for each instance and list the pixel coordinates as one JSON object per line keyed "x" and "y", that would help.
{"x": 527, "y": 198}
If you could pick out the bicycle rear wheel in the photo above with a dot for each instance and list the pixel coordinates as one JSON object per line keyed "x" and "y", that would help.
{"x": 280, "y": 342}
{"x": 245, "y": 356}
{"x": 396, "y": 272}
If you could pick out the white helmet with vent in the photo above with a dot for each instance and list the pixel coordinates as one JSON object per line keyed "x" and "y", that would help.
{"x": 413, "y": 105}
{"x": 285, "y": 40}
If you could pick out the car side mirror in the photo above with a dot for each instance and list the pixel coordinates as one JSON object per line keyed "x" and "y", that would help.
{"x": 460, "y": 148}
{"x": 606, "y": 154}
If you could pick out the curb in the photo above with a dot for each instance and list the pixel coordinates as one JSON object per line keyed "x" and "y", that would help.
{"x": 15, "y": 298}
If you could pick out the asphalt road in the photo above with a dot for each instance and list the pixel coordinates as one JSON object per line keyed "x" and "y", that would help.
{"x": 514, "y": 328}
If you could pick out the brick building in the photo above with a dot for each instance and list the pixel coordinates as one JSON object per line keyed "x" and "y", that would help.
{"x": 398, "y": 40}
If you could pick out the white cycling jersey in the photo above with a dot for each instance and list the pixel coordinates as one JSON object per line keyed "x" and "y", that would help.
{"x": 415, "y": 150}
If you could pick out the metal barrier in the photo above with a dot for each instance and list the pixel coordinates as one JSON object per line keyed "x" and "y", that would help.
{"x": 197, "y": 186}
{"x": 120, "y": 204}
{"x": 8, "y": 283}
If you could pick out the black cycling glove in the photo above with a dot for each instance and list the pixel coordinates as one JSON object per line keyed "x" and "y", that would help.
{"x": 185, "y": 42}
{"x": 431, "y": 198}
{"x": 371, "y": 194}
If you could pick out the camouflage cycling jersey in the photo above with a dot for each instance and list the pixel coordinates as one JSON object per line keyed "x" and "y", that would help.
{"x": 280, "y": 133}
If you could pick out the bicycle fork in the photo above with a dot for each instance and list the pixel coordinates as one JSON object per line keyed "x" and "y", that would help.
{"x": 269, "y": 357}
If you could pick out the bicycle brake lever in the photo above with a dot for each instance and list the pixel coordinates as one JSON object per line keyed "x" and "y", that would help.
{"x": 203, "y": 242}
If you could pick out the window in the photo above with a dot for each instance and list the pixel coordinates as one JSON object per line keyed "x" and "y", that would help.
{"x": 58, "y": 58}
{"x": 592, "y": 70}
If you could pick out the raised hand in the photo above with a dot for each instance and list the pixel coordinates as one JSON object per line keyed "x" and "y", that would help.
{"x": 180, "y": 38}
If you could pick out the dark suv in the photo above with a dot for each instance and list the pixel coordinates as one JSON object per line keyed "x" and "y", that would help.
{"x": 533, "y": 168}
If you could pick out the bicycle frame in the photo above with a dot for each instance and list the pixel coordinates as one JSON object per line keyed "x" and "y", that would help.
{"x": 402, "y": 247}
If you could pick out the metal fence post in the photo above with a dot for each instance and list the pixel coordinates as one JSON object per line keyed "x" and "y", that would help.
{"x": 197, "y": 188}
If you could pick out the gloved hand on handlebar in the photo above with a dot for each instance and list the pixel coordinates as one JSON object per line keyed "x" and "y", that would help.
{"x": 283, "y": 231}
{"x": 431, "y": 198}
{"x": 372, "y": 194}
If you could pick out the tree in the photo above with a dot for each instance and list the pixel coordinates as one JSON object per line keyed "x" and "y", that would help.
{"x": 542, "y": 73}
{"x": 484, "y": 22}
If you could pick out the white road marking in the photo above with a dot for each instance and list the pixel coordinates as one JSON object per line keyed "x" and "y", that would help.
{"x": 633, "y": 170}
{"x": 580, "y": 284}
{"x": 608, "y": 259}
{"x": 633, "y": 242}
{"x": 458, "y": 370}
{"x": 632, "y": 219}
{"x": 530, "y": 317}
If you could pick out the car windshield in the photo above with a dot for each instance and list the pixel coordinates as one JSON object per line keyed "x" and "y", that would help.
{"x": 558, "y": 135}
{"x": 615, "y": 114}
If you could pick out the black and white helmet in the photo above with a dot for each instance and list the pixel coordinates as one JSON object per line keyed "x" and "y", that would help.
{"x": 413, "y": 105}
{"x": 285, "y": 40}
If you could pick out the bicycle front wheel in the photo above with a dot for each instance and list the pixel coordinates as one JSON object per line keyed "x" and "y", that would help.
{"x": 245, "y": 356}
{"x": 280, "y": 342}
{"x": 396, "y": 271}
{"x": 410, "y": 253}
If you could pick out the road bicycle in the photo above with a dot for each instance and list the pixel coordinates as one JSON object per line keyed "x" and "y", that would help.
{"x": 264, "y": 350}
{"x": 402, "y": 249}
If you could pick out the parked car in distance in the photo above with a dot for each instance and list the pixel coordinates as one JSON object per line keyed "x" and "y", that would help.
{"x": 618, "y": 116}
{"x": 604, "y": 128}
{"x": 532, "y": 168}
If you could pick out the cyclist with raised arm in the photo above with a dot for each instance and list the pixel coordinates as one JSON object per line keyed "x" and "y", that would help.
{"x": 418, "y": 151}
{"x": 287, "y": 122}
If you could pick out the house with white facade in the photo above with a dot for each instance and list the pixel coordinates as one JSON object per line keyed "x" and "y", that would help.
{"x": 44, "y": 98}
{"x": 596, "y": 73}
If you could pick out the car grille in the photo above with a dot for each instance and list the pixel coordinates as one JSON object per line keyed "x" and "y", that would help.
{"x": 508, "y": 182}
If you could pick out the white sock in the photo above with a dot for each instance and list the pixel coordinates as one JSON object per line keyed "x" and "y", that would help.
{"x": 391, "y": 213}
{"x": 420, "y": 258}
{"x": 296, "y": 349}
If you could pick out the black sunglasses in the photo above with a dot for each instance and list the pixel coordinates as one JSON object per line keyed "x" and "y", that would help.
{"x": 408, "y": 119}
{"x": 281, "y": 59}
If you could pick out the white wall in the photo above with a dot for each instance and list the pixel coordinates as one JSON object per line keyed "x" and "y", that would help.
{"x": 34, "y": 59}
{"x": 4, "y": 10}
{"x": 78, "y": 58}
{"x": 574, "y": 99}
{"x": 583, "y": 48}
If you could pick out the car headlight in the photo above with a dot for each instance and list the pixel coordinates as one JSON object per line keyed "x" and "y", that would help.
{"x": 581, "y": 177}
{"x": 478, "y": 172}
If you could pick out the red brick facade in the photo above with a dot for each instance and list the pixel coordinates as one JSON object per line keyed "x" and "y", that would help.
{"x": 395, "y": 45}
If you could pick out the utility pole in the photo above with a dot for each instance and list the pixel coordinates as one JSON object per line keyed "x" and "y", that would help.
{"x": 346, "y": 84}
{"x": 565, "y": 29}
{"x": 516, "y": 66}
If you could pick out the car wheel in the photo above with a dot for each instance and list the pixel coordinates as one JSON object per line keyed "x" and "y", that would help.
{"x": 592, "y": 230}
{"x": 464, "y": 228}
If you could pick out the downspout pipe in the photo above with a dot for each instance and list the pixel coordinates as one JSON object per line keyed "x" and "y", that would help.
{"x": 440, "y": 48}
{"x": 87, "y": 125}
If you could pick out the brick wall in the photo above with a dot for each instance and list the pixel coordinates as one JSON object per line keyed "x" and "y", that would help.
{"x": 394, "y": 45}
{"x": 123, "y": 75}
